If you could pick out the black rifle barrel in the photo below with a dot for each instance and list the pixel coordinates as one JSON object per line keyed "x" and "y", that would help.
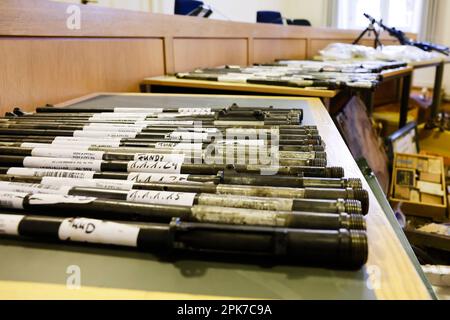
{"x": 343, "y": 248}
{"x": 299, "y": 159}
{"x": 192, "y": 198}
{"x": 92, "y": 207}
{"x": 227, "y": 177}
{"x": 166, "y": 167}
{"x": 252, "y": 191}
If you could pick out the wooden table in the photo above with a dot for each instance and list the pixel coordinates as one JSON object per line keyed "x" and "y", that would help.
{"x": 35, "y": 270}
{"x": 171, "y": 84}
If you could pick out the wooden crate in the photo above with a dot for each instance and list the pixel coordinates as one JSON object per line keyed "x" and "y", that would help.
{"x": 437, "y": 212}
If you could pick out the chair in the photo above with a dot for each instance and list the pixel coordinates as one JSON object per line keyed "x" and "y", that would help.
{"x": 184, "y": 7}
{"x": 299, "y": 22}
{"x": 269, "y": 17}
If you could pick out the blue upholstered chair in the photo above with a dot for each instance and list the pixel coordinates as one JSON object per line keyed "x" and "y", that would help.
{"x": 269, "y": 17}
{"x": 184, "y": 7}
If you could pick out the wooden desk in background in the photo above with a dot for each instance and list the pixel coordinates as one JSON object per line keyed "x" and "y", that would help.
{"x": 171, "y": 84}
{"x": 38, "y": 270}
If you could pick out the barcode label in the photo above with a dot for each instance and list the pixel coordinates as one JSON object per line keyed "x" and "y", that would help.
{"x": 67, "y": 153}
{"x": 31, "y": 172}
{"x": 109, "y": 184}
{"x": 65, "y": 164}
{"x": 32, "y": 188}
{"x": 104, "y": 134}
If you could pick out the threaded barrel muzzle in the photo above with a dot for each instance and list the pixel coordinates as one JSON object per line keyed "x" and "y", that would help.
{"x": 335, "y": 172}
{"x": 357, "y": 222}
{"x": 321, "y": 155}
{"x": 317, "y": 162}
{"x": 354, "y": 183}
{"x": 362, "y": 196}
{"x": 353, "y": 207}
{"x": 359, "y": 249}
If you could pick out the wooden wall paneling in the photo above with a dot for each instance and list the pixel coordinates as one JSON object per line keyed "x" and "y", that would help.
{"x": 269, "y": 49}
{"x": 190, "y": 53}
{"x": 36, "y": 71}
{"x": 169, "y": 67}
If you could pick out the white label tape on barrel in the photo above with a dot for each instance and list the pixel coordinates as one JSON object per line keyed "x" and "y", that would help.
{"x": 48, "y": 145}
{"x": 109, "y": 184}
{"x": 177, "y": 158}
{"x": 233, "y": 77}
{"x": 45, "y": 199}
{"x": 136, "y": 129}
{"x": 12, "y": 200}
{"x": 195, "y": 110}
{"x": 33, "y": 172}
{"x": 67, "y": 153}
{"x": 104, "y": 134}
{"x": 9, "y": 224}
{"x": 122, "y": 115}
{"x": 178, "y": 146}
{"x": 165, "y": 122}
{"x": 161, "y": 197}
{"x": 154, "y": 167}
{"x": 66, "y": 164}
{"x": 158, "y": 177}
{"x": 32, "y": 188}
{"x": 97, "y": 231}
{"x": 86, "y": 142}
{"x": 139, "y": 110}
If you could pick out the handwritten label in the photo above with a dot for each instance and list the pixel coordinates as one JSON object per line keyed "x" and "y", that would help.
{"x": 178, "y": 146}
{"x": 31, "y": 172}
{"x": 154, "y": 167}
{"x": 9, "y": 224}
{"x": 161, "y": 197}
{"x": 157, "y": 157}
{"x": 44, "y": 199}
{"x": 97, "y": 231}
{"x": 158, "y": 177}
{"x": 184, "y": 135}
{"x": 66, "y": 164}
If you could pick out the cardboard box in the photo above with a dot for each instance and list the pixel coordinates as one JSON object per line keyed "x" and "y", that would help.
{"x": 431, "y": 198}
{"x": 430, "y": 177}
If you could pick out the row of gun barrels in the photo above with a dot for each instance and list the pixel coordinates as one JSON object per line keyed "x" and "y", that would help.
{"x": 233, "y": 180}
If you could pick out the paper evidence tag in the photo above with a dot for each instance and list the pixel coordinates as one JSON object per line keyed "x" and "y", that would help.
{"x": 186, "y": 135}
{"x": 12, "y": 200}
{"x": 122, "y": 115}
{"x": 154, "y": 167}
{"x": 161, "y": 197}
{"x": 97, "y": 231}
{"x": 109, "y": 184}
{"x": 33, "y": 172}
{"x": 33, "y": 188}
{"x": 159, "y": 157}
{"x": 66, "y": 164}
{"x": 158, "y": 177}
{"x": 104, "y": 134}
{"x": 195, "y": 110}
{"x": 113, "y": 128}
{"x": 67, "y": 153}
{"x": 9, "y": 224}
{"x": 165, "y": 122}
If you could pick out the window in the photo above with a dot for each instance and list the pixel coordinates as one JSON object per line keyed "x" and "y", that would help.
{"x": 405, "y": 15}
